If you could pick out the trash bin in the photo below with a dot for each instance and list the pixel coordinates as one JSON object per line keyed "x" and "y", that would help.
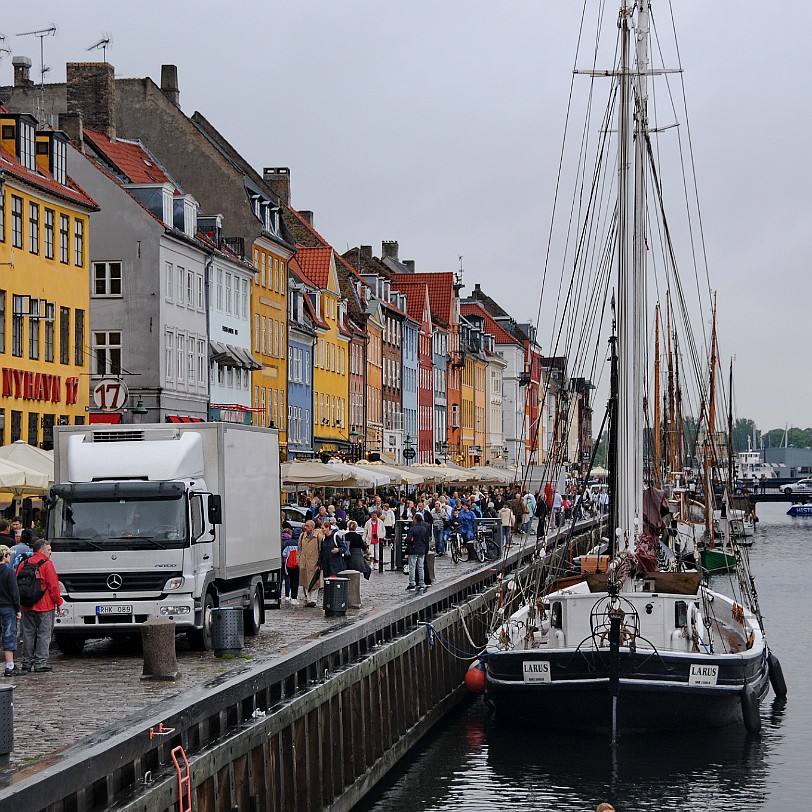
{"x": 336, "y": 596}
{"x": 227, "y": 636}
{"x": 6, "y": 722}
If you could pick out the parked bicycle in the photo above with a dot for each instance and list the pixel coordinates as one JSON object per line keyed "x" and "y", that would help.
{"x": 484, "y": 545}
{"x": 458, "y": 547}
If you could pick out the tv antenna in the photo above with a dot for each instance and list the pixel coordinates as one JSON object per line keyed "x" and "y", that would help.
{"x": 3, "y": 49}
{"x": 50, "y": 31}
{"x": 103, "y": 44}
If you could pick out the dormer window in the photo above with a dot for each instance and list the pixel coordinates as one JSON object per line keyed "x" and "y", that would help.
{"x": 59, "y": 161}
{"x": 27, "y": 145}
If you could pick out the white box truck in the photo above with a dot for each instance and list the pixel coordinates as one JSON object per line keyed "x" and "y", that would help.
{"x": 163, "y": 521}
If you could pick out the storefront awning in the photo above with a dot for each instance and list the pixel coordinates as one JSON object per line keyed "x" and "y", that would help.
{"x": 227, "y": 355}
{"x": 175, "y": 418}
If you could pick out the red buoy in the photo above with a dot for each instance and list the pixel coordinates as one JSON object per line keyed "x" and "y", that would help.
{"x": 475, "y": 678}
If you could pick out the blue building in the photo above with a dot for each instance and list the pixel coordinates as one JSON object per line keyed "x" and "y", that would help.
{"x": 410, "y": 367}
{"x": 301, "y": 337}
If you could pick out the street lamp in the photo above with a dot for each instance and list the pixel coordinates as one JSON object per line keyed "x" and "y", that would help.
{"x": 408, "y": 451}
{"x": 444, "y": 450}
{"x": 138, "y": 411}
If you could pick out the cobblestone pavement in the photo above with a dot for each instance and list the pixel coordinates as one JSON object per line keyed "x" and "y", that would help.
{"x": 87, "y": 693}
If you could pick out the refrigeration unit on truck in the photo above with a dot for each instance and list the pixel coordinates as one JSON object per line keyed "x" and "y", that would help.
{"x": 163, "y": 521}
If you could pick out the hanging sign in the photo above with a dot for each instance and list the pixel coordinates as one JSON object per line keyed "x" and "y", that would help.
{"x": 110, "y": 394}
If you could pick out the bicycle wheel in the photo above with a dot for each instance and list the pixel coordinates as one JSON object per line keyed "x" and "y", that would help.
{"x": 492, "y": 549}
{"x": 465, "y": 550}
{"x": 479, "y": 550}
{"x": 455, "y": 549}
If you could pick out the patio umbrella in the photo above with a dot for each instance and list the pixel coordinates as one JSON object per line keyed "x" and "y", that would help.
{"x": 20, "y": 481}
{"x": 360, "y": 477}
{"x": 403, "y": 475}
{"x": 309, "y": 472}
{"x": 30, "y": 457}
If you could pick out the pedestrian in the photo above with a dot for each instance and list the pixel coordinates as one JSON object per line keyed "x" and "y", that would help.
{"x": 374, "y": 534}
{"x": 309, "y": 550}
{"x": 38, "y": 619}
{"x": 506, "y": 518}
{"x": 558, "y": 508}
{"x": 355, "y": 542}
{"x": 389, "y": 520}
{"x": 517, "y": 506}
{"x": 291, "y": 572}
{"x": 417, "y": 545}
{"x": 438, "y": 523}
{"x": 529, "y": 511}
{"x": 9, "y": 609}
{"x": 541, "y": 514}
{"x": 331, "y": 556}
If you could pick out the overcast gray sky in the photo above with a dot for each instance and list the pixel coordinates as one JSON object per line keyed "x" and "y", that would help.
{"x": 437, "y": 123}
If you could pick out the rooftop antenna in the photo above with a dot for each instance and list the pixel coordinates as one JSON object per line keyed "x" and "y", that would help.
{"x": 50, "y": 31}
{"x": 458, "y": 275}
{"x": 103, "y": 44}
{"x": 3, "y": 49}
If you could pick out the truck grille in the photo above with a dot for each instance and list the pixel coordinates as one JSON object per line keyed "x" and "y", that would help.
{"x": 130, "y": 581}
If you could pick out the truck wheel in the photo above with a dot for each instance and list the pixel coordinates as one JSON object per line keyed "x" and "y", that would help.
{"x": 254, "y": 615}
{"x": 200, "y": 639}
{"x": 71, "y": 645}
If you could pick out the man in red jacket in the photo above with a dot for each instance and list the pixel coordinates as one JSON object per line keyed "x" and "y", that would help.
{"x": 38, "y": 620}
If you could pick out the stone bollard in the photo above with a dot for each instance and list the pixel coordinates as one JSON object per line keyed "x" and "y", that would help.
{"x": 160, "y": 660}
{"x": 353, "y": 588}
{"x": 430, "y": 555}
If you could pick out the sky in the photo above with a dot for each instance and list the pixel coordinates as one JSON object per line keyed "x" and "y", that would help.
{"x": 438, "y": 123}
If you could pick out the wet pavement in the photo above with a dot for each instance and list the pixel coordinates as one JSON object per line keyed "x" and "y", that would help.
{"x": 88, "y": 693}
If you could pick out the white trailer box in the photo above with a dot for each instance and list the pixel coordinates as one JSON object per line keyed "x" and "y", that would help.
{"x": 163, "y": 520}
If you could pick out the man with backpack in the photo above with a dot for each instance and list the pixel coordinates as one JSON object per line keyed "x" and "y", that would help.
{"x": 39, "y": 597}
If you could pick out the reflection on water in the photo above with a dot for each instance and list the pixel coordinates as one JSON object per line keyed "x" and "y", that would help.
{"x": 475, "y": 761}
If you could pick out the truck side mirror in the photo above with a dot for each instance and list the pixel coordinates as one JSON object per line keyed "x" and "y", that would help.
{"x": 215, "y": 508}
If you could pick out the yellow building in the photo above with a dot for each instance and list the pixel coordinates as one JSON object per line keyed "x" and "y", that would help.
{"x": 468, "y": 432}
{"x": 44, "y": 287}
{"x": 270, "y": 335}
{"x": 480, "y": 406}
{"x": 330, "y": 353}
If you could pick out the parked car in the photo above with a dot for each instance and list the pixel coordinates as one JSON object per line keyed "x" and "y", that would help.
{"x": 297, "y": 516}
{"x": 801, "y": 486}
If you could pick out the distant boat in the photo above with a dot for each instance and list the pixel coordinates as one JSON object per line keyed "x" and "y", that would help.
{"x": 750, "y": 465}
{"x": 800, "y": 510}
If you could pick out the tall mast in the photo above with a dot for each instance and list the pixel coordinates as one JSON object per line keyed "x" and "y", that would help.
{"x": 709, "y": 451}
{"x": 657, "y": 441}
{"x": 671, "y": 428}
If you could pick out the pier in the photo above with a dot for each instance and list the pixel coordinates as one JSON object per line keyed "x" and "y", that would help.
{"x": 315, "y": 729}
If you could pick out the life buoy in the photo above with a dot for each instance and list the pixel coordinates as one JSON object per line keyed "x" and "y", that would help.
{"x": 475, "y": 677}
{"x": 750, "y": 711}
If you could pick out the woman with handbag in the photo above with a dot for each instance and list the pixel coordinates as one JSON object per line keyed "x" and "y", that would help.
{"x": 358, "y": 549}
{"x": 290, "y": 555}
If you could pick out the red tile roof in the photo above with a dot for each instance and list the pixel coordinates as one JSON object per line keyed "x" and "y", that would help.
{"x": 296, "y": 269}
{"x": 500, "y": 335}
{"x": 315, "y": 264}
{"x": 130, "y": 158}
{"x": 441, "y": 290}
{"x": 415, "y": 293}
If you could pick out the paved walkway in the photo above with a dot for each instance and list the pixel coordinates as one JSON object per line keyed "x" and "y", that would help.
{"x": 84, "y": 694}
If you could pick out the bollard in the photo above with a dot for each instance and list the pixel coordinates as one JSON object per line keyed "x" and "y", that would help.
{"x": 429, "y": 566}
{"x": 227, "y": 636}
{"x": 6, "y": 723}
{"x": 353, "y": 588}
{"x": 335, "y": 596}
{"x": 160, "y": 660}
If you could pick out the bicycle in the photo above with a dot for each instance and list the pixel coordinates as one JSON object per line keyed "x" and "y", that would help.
{"x": 484, "y": 545}
{"x": 458, "y": 547}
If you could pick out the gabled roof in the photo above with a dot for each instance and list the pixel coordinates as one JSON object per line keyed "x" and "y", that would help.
{"x": 441, "y": 291}
{"x": 500, "y": 335}
{"x": 129, "y": 158}
{"x": 296, "y": 270}
{"x": 44, "y": 181}
{"x": 415, "y": 293}
{"x": 315, "y": 264}
{"x": 498, "y": 312}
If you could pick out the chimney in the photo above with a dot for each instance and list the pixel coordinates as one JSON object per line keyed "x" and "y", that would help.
{"x": 169, "y": 83}
{"x": 307, "y": 216}
{"x": 22, "y": 71}
{"x": 71, "y": 125}
{"x": 92, "y": 93}
{"x": 278, "y": 179}
{"x": 366, "y": 252}
{"x": 389, "y": 249}
{"x": 409, "y": 263}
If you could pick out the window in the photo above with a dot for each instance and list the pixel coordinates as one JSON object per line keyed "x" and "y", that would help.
{"x": 33, "y": 228}
{"x": 107, "y": 353}
{"x": 49, "y": 233}
{"x": 169, "y": 288}
{"x": 16, "y": 221}
{"x": 78, "y": 243}
{"x": 200, "y": 298}
{"x": 179, "y": 273}
{"x": 179, "y": 353}
{"x": 107, "y": 278}
{"x": 190, "y": 359}
{"x": 2, "y": 215}
{"x": 245, "y": 312}
{"x": 201, "y": 361}
{"x": 28, "y": 156}
{"x": 190, "y": 288}
{"x": 228, "y": 292}
{"x": 79, "y": 338}
{"x": 264, "y": 336}
{"x": 256, "y": 332}
{"x": 2, "y": 322}
{"x": 219, "y": 290}
{"x": 60, "y": 149}
{"x": 50, "y": 317}
{"x": 33, "y": 428}
{"x": 64, "y": 335}
{"x": 17, "y": 326}
{"x": 64, "y": 235}
{"x": 169, "y": 353}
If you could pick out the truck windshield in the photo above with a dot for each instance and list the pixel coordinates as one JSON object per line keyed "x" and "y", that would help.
{"x": 118, "y": 524}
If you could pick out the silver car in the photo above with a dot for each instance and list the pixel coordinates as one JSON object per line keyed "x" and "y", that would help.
{"x": 801, "y": 486}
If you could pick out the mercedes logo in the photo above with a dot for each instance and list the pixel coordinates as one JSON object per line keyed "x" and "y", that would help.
{"x": 114, "y": 581}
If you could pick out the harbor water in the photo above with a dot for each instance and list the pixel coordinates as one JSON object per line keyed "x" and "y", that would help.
{"x": 475, "y": 761}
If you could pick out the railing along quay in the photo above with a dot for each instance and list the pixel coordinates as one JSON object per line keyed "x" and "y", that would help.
{"x": 314, "y": 731}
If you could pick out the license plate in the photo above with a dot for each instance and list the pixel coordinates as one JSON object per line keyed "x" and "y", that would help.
{"x": 116, "y": 609}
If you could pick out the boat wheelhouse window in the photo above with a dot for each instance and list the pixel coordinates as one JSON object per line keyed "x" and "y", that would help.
{"x": 680, "y": 614}
{"x": 557, "y": 615}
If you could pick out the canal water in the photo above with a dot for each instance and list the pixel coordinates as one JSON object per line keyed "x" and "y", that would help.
{"x": 473, "y": 762}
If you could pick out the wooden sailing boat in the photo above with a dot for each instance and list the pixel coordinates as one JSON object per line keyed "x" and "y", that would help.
{"x": 646, "y": 646}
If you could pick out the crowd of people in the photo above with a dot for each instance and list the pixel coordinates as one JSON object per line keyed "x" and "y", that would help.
{"x": 29, "y": 597}
{"x": 343, "y": 533}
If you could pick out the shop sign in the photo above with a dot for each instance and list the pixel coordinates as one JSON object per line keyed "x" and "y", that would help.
{"x": 24, "y": 385}
{"x": 110, "y": 394}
